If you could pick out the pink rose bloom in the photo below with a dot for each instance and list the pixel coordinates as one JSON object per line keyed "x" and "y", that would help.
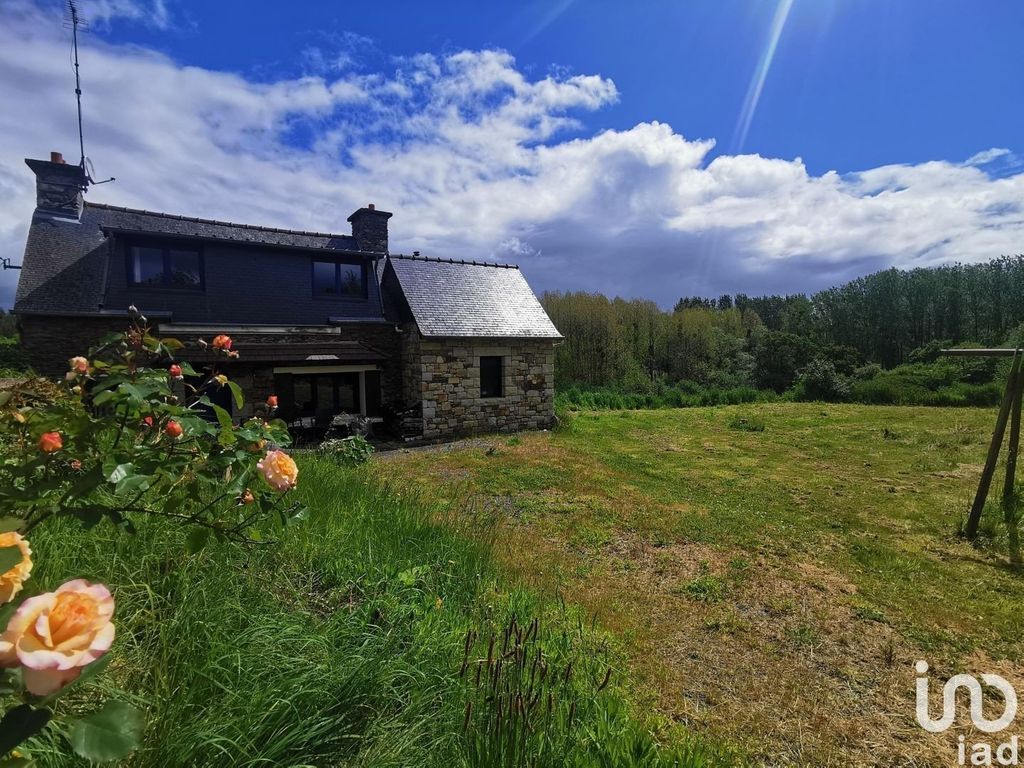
{"x": 55, "y": 635}
{"x": 279, "y": 470}
{"x": 79, "y": 365}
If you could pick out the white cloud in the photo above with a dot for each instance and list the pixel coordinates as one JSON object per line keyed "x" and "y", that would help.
{"x": 477, "y": 160}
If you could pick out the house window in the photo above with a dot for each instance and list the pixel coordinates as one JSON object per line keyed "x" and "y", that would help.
{"x": 491, "y": 376}
{"x": 336, "y": 279}
{"x": 175, "y": 267}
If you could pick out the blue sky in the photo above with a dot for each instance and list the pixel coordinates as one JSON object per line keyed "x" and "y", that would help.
{"x": 853, "y": 84}
{"x": 722, "y": 146}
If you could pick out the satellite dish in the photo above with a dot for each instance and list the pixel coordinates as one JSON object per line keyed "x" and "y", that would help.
{"x": 90, "y": 173}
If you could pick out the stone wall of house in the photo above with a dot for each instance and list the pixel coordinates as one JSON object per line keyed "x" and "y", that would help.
{"x": 450, "y": 386}
{"x": 410, "y": 364}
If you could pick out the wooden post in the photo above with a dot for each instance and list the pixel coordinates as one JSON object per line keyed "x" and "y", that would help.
{"x": 974, "y": 519}
{"x": 1012, "y": 446}
{"x": 1010, "y": 483}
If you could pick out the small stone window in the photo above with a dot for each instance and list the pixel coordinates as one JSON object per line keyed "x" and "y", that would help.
{"x": 491, "y": 379}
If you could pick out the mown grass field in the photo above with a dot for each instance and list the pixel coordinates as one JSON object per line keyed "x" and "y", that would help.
{"x": 772, "y": 570}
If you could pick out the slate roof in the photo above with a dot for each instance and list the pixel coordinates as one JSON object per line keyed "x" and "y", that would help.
{"x": 64, "y": 269}
{"x": 451, "y": 298}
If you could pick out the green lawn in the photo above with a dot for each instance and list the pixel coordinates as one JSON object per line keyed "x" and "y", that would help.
{"x": 772, "y": 570}
{"x": 341, "y": 644}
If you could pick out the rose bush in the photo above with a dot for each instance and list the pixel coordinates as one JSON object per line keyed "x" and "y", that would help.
{"x": 131, "y": 433}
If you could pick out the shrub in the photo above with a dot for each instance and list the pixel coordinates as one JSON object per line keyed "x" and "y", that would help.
{"x": 867, "y": 372}
{"x": 820, "y": 381}
{"x": 348, "y": 451}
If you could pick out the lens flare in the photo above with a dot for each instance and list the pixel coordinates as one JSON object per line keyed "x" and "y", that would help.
{"x": 761, "y": 73}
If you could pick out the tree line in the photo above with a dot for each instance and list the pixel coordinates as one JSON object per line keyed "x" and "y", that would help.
{"x": 885, "y": 319}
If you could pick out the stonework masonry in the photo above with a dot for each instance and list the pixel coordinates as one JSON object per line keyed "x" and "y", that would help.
{"x": 450, "y": 386}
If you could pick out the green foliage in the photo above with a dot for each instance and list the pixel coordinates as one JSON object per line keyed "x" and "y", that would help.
{"x": 13, "y": 362}
{"x": 686, "y": 395}
{"x": 779, "y": 356}
{"x": 135, "y": 442}
{"x": 110, "y": 733}
{"x": 348, "y": 451}
{"x": 888, "y": 318}
{"x": 820, "y": 381}
{"x": 8, "y": 325}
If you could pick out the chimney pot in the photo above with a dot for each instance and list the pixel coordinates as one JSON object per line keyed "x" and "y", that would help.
{"x": 372, "y": 207}
{"x": 56, "y": 157}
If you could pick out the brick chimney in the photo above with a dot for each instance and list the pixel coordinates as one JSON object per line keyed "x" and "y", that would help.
{"x": 59, "y": 186}
{"x": 370, "y": 229}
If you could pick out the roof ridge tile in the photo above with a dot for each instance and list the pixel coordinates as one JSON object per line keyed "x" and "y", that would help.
{"x": 215, "y": 222}
{"x": 441, "y": 260}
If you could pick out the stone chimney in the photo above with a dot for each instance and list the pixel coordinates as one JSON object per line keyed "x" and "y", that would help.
{"x": 370, "y": 229}
{"x": 59, "y": 186}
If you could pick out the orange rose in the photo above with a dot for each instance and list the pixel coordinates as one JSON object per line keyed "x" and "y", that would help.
{"x": 12, "y": 581}
{"x": 50, "y": 442}
{"x": 55, "y": 635}
{"x": 279, "y": 470}
{"x": 222, "y": 342}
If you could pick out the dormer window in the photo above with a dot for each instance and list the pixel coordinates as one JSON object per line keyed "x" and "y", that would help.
{"x": 338, "y": 280}
{"x": 171, "y": 267}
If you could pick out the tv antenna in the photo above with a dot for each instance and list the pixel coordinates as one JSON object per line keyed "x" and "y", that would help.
{"x": 74, "y": 20}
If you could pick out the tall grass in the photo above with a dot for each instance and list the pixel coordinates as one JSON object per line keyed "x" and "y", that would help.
{"x": 339, "y": 644}
{"x": 682, "y": 396}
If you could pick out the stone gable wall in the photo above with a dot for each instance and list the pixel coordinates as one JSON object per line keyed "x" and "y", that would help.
{"x": 450, "y": 386}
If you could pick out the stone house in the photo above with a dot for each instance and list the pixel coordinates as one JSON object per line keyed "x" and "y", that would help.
{"x": 330, "y": 323}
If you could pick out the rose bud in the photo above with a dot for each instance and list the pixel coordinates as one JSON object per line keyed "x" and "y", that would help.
{"x": 173, "y": 429}
{"x": 272, "y": 401}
